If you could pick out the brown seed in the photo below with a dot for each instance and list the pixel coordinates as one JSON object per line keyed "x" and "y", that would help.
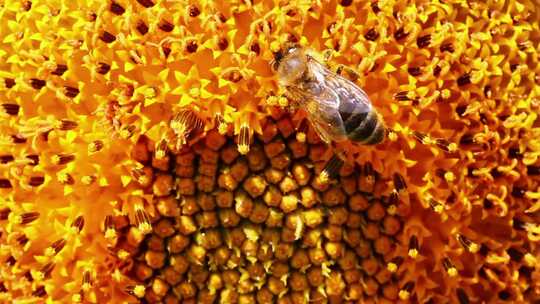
{"x": 319, "y": 183}
{"x": 348, "y": 261}
{"x": 196, "y": 254}
{"x": 207, "y": 219}
{"x": 228, "y": 217}
{"x": 160, "y": 287}
{"x": 335, "y": 286}
{"x": 371, "y": 231}
{"x": 299, "y": 259}
{"x": 177, "y": 243}
{"x": 376, "y": 211}
{"x": 358, "y": 202}
{"x": 288, "y": 184}
{"x": 185, "y": 186}
{"x": 256, "y": 158}
{"x": 285, "y": 127}
{"x": 298, "y": 149}
{"x": 207, "y": 169}
{"x": 179, "y": 263}
{"x": 227, "y": 181}
{"x": 189, "y": 205}
{"x": 273, "y": 175}
{"x": 167, "y": 206}
{"x": 206, "y": 183}
{"x": 390, "y": 291}
{"x": 171, "y": 277}
{"x": 274, "y": 148}
{"x": 186, "y": 225}
{"x": 312, "y": 237}
{"x": 209, "y": 156}
{"x": 155, "y": 243}
{"x": 272, "y": 197}
{"x": 338, "y": 216}
{"x": 237, "y": 236}
{"x": 229, "y": 154}
{"x": 289, "y": 203}
{"x": 308, "y": 197}
{"x": 155, "y": 259}
{"x": 391, "y": 225}
{"x": 298, "y": 281}
{"x": 206, "y": 201}
{"x": 334, "y": 250}
{"x": 333, "y": 233}
{"x": 240, "y": 170}
{"x": 164, "y": 228}
{"x": 221, "y": 256}
{"x": 281, "y": 161}
{"x": 348, "y": 184}
{"x": 187, "y": 158}
{"x": 313, "y": 217}
{"x": 370, "y": 265}
{"x": 301, "y": 174}
{"x": 383, "y": 276}
{"x": 371, "y": 286}
{"x": 275, "y": 285}
{"x": 224, "y": 199}
{"x": 264, "y": 295}
{"x": 187, "y": 290}
{"x": 229, "y": 295}
{"x": 334, "y": 196}
{"x": 142, "y": 271}
{"x": 315, "y": 276}
{"x": 260, "y": 213}
{"x": 243, "y": 204}
{"x": 275, "y": 218}
{"x": 255, "y": 185}
{"x": 270, "y": 130}
{"x": 383, "y": 245}
{"x": 134, "y": 236}
{"x": 317, "y": 256}
{"x": 230, "y": 277}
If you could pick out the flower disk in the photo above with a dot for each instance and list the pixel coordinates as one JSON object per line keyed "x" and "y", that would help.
{"x": 146, "y": 154}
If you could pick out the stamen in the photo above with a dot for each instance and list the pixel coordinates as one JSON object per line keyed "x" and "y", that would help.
{"x": 11, "y": 108}
{"x": 161, "y": 149}
{"x": 184, "y": 124}
{"x": 146, "y": 3}
{"x": 56, "y": 247}
{"x": 221, "y": 124}
{"x": 47, "y": 269}
{"x": 405, "y": 292}
{"x": 5, "y": 183}
{"x": 462, "y": 296}
{"x": 4, "y": 213}
{"x": 60, "y": 70}
{"x": 142, "y": 220}
{"x": 399, "y": 182}
{"x": 71, "y": 92}
{"x": 40, "y": 292}
{"x": 78, "y": 223}
{"x": 413, "y": 247}
{"x": 28, "y": 217}
{"x": 65, "y": 178}
{"x": 244, "y": 139}
{"x": 95, "y": 146}
{"x": 450, "y": 268}
{"x": 468, "y": 244}
{"x": 66, "y": 125}
{"x": 127, "y": 131}
{"x": 136, "y": 291}
{"x": 86, "y": 281}
{"x": 62, "y": 159}
{"x": 103, "y": 68}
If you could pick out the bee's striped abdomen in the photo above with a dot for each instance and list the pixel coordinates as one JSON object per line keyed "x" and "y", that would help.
{"x": 365, "y": 128}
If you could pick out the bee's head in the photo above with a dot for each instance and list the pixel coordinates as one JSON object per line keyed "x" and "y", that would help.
{"x": 289, "y": 63}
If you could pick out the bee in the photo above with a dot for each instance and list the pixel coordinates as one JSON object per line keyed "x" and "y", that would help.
{"x": 338, "y": 109}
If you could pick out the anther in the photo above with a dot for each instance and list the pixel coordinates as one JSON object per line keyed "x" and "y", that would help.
{"x": 71, "y": 92}
{"x": 372, "y": 35}
{"x": 405, "y": 292}
{"x": 95, "y": 146}
{"x": 86, "y": 281}
{"x": 464, "y": 79}
{"x": 66, "y": 125}
{"x": 57, "y": 246}
{"x": 107, "y": 37}
{"x": 331, "y": 169}
{"x": 4, "y": 213}
{"x": 36, "y": 181}
{"x": 117, "y": 9}
{"x": 9, "y": 83}
{"x": 447, "y": 47}
{"x": 11, "y": 108}
{"x": 166, "y": 26}
{"x": 40, "y": 292}
{"x": 127, "y": 131}
{"x": 136, "y": 291}
{"x": 244, "y": 139}
{"x": 413, "y": 247}
{"x": 22, "y": 240}
{"x": 109, "y": 228}
{"x": 47, "y": 269}
{"x": 62, "y": 159}
{"x": 462, "y": 296}
{"x": 399, "y": 182}
{"x": 449, "y": 267}
{"x": 5, "y": 159}
{"x": 78, "y": 223}
{"x": 400, "y": 34}
{"x": 161, "y": 149}
{"x": 103, "y": 68}
{"x": 28, "y": 217}
{"x": 468, "y": 244}
{"x": 37, "y": 83}
{"x": 423, "y": 41}
{"x": 146, "y": 3}
{"x": 65, "y": 178}
{"x": 436, "y": 206}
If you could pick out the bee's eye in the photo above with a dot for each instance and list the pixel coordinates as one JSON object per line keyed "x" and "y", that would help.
{"x": 277, "y": 59}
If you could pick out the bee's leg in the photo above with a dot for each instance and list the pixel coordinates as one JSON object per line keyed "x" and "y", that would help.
{"x": 333, "y": 166}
